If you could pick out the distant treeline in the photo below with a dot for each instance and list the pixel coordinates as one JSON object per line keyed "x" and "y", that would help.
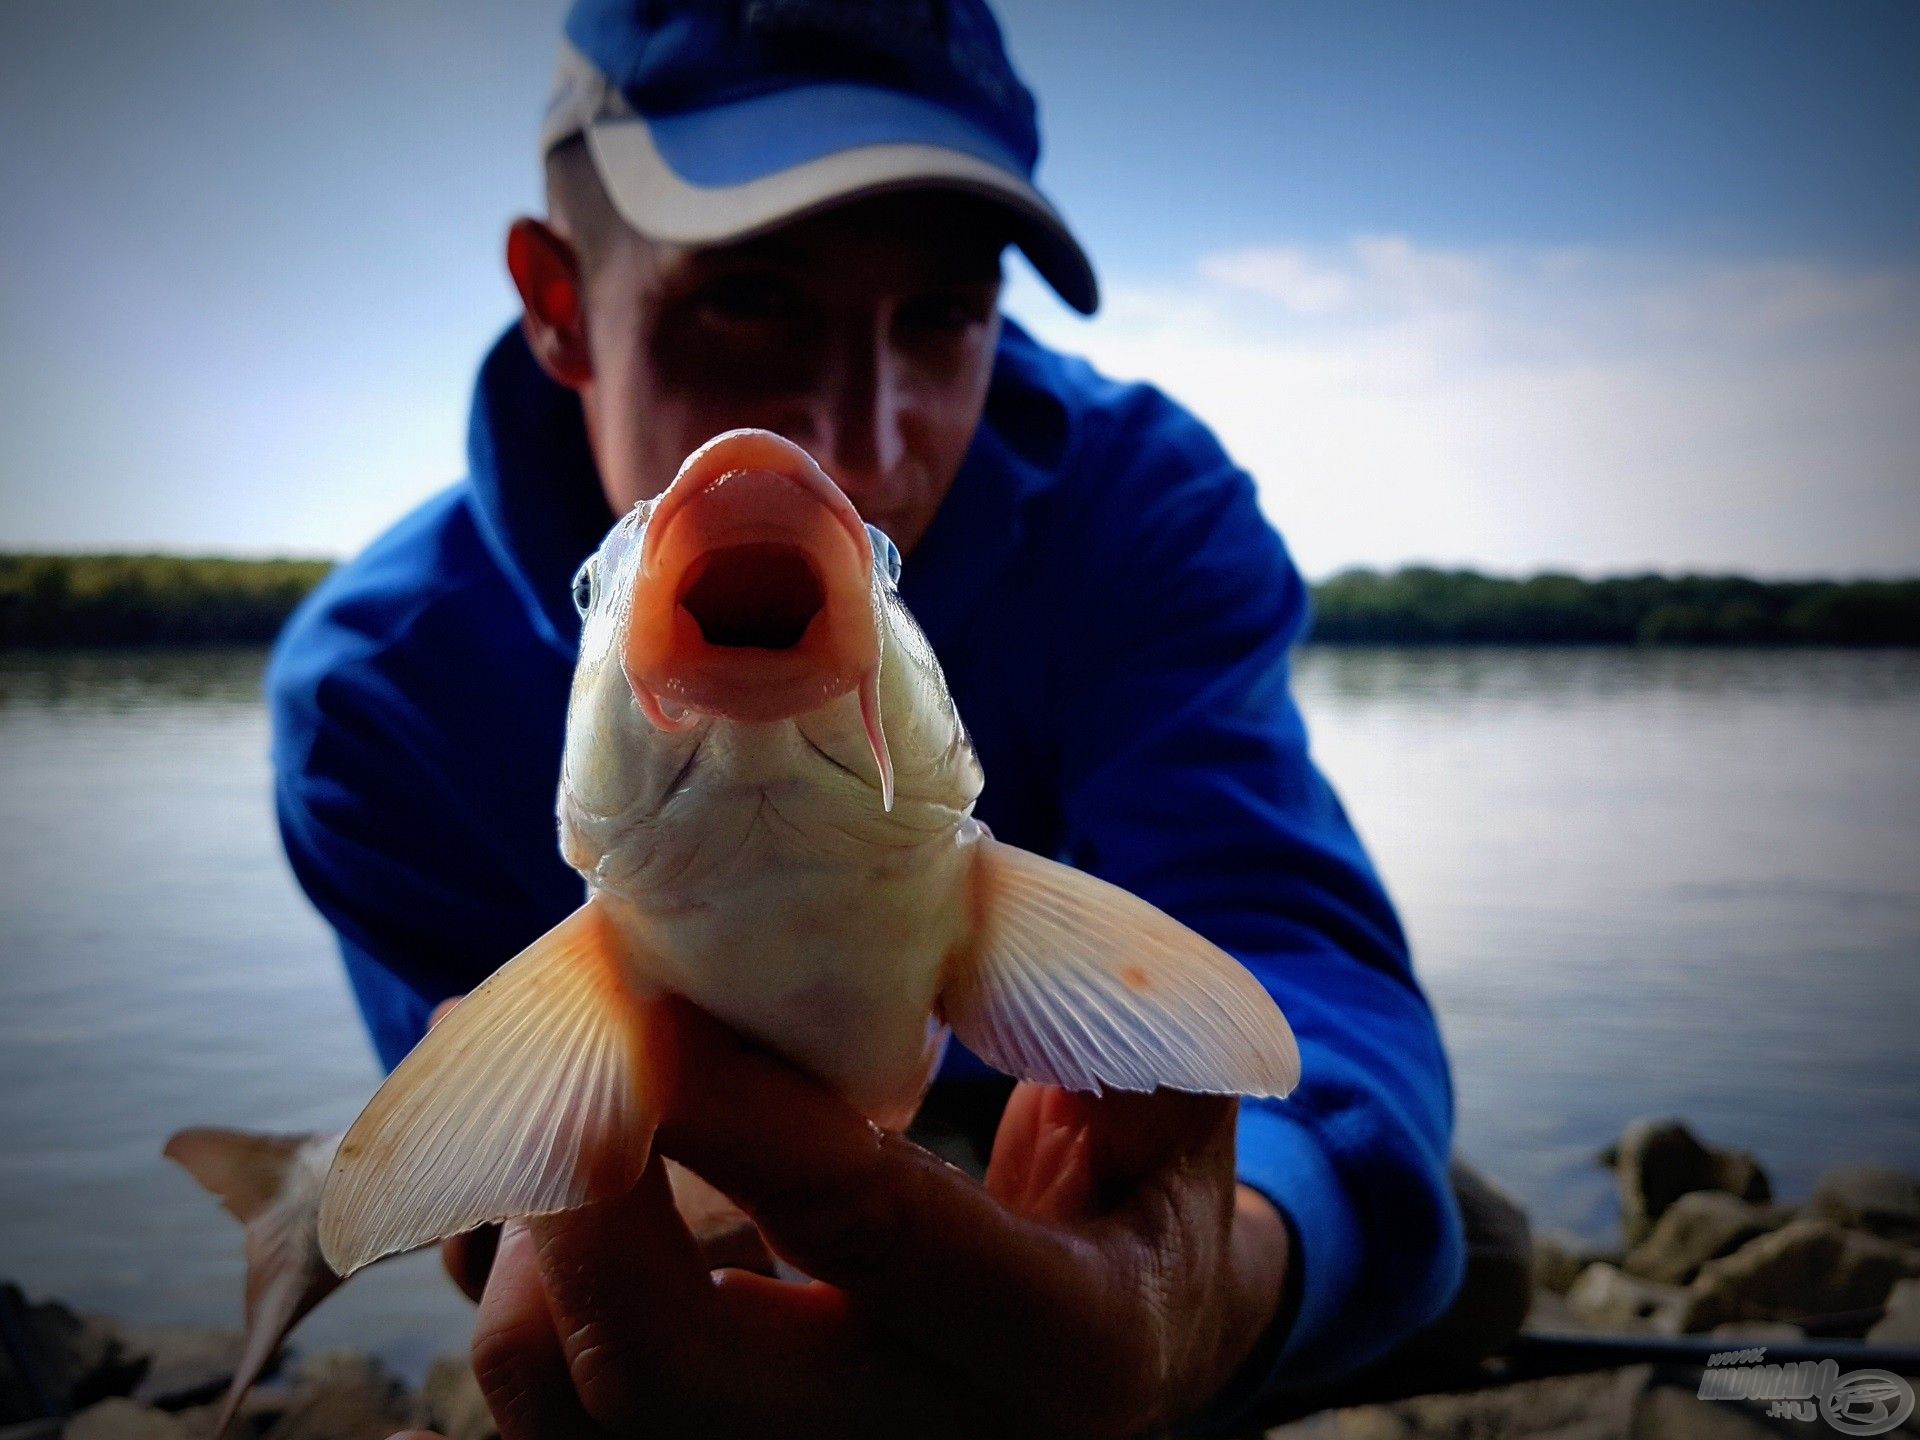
{"x": 54, "y": 600}
{"x": 1423, "y": 606}
{"x": 48, "y": 600}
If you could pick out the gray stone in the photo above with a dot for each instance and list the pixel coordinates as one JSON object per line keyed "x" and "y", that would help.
{"x": 1699, "y": 1226}
{"x": 1655, "y": 1162}
{"x": 1901, "y": 1324}
{"x": 1571, "y": 1407}
{"x": 1327, "y": 1426}
{"x": 123, "y": 1420}
{"x": 183, "y": 1364}
{"x": 1665, "y": 1413}
{"x": 1551, "y": 1312}
{"x": 1872, "y": 1198}
{"x": 1811, "y": 1267}
{"x": 66, "y": 1361}
{"x": 451, "y": 1402}
{"x": 1558, "y": 1259}
{"x": 1607, "y": 1297}
{"x": 1365, "y": 1422}
{"x": 339, "y": 1395}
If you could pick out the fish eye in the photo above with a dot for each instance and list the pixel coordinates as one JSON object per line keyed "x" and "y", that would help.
{"x": 885, "y": 553}
{"x": 583, "y": 589}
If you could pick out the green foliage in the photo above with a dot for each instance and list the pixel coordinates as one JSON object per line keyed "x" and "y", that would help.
{"x": 74, "y": 600}
{"x": 148, "y": 599}
{"x": 1424, "y": 606}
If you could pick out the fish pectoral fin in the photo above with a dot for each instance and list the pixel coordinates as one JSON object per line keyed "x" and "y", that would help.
{"x": 529, "y": 1098}
{"x": 1077, "y": 983}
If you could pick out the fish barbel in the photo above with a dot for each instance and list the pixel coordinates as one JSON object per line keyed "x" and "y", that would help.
{"x": 768, "y": 791}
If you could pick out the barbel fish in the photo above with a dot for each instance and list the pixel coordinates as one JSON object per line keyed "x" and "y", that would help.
{"x": 769, "y": 793}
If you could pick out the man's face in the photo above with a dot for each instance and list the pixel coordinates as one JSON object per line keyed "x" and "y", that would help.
{"x": 865, "y": 334}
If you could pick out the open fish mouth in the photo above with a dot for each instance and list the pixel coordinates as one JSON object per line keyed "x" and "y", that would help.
{"x": 756, "y": 596}
{"x": 753, "y": 599}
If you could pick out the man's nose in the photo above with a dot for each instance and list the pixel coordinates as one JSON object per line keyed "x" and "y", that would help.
{"x": 858, "y": 419}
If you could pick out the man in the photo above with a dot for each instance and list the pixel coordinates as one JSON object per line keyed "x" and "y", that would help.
{"x": 790, "y": 214}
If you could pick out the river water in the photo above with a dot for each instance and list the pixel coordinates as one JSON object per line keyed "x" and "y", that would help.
{"x": 1637, "y": 882}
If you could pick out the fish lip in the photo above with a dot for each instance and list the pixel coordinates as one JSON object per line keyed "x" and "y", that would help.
{"x": 749, "y": 488}
{"x": 737, "y": 452}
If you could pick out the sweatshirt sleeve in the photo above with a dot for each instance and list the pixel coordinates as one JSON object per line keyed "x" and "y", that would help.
{"x": 382, "y": 834}
{"x": 1187, "y": 779}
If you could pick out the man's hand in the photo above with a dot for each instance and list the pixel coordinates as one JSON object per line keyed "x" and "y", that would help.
{"x": 1108, "y": 1278}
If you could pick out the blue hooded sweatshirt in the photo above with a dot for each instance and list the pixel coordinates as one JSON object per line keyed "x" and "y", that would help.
{"x": 1115, "y": 617}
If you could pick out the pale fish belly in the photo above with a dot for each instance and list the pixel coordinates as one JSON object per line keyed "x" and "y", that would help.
{"x": 833, "y": 962}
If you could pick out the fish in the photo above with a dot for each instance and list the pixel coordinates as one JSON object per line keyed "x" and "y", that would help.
{"x": 768, "y": 791}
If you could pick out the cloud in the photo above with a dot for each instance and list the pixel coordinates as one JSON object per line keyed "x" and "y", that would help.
{"x": 1284, "y": 274}
{"x": 1378, "y": 273}
{"x": 1521, "y": 408}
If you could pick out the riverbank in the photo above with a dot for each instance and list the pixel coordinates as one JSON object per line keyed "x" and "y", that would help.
{"x": 113, "y": 600}
{"x": 1705, "y": 1249}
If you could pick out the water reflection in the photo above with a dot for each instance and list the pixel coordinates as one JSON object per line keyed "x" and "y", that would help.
{"x": 122, "y": 681}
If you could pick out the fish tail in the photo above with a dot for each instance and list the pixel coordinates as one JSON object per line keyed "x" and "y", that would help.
{"x": 271, "y": 1184}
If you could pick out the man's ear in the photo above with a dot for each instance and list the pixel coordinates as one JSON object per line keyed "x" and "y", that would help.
{"x": 546, "y": 271}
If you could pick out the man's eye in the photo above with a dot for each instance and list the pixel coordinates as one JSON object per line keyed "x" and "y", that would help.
{"x": 945, "y": 314}
{"x": 746, "y": 299}
{"x": 583, "y": 589}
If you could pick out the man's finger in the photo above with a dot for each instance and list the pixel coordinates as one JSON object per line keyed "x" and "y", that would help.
{"x": 468, "y": 1259}
{"x": 726, "y": 1234}
{"x": 517, "y": 1356}
{"x": 1042, "y": 1163}
{"x": 873, "y": 1213}
{"x": 633, "y": 1300}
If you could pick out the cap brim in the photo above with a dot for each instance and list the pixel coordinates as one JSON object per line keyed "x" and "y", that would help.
{"x": 660, "y": 201}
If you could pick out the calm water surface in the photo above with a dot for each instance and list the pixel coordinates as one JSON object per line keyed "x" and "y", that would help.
{"x": 1636, "y": 882}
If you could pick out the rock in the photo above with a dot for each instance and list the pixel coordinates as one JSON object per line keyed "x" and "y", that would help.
{"x": 1571, "y": 1407}
{"x": 1665, "y": 1413}
{"x": 451, "y": 1402}
{"x": 258, "y": 1413}
{"x": 1607, "y": 1297}
{"x": 1655, "y": 1162}
{"x": 1811, "y": 1267}
{"x": 123, "y": 1420}
{"x": 1558, "y": 1259}
{"x": 1551, "y": 1312}
{"x": 183, "y": 1364}
{"x": 1330, "y": 1425}
{"x": 1699, "y": 1226}
{"x": 339, "y": 1395}
{"x": 1872, "y": 1198}
{"x": 1901, "y": 1324}
{"x": 64, "y": 1361}
{"x": 1364, "y": 1422}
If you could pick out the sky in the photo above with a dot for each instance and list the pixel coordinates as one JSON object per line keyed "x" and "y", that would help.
{"x": 1597, "y": 285}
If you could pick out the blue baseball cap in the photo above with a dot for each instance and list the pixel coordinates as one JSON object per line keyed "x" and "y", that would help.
{"x": 714, "y": 120}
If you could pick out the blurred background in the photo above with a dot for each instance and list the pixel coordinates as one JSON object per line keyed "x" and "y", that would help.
{"x": 1597, "y": 288}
